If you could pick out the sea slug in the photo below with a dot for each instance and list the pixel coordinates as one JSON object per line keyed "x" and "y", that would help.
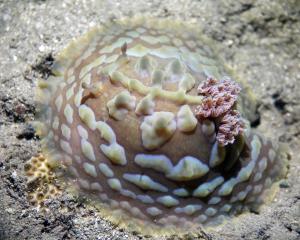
{"x": 144, "y": 115}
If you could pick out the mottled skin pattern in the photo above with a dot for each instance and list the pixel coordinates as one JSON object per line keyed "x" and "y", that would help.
{"x": 115, "y": 57}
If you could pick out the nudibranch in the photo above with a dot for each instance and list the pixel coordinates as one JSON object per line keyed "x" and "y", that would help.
{"x": 144, "y": 116}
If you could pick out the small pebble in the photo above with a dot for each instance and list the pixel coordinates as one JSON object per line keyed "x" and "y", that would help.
{"x": 284, "y": 184}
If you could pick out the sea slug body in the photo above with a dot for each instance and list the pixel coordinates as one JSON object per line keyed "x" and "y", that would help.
{"x": 147, "y": 120}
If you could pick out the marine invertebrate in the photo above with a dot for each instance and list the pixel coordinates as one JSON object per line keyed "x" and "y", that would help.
{"x": 119, "y": 112}
{"x": 41, "y": 180}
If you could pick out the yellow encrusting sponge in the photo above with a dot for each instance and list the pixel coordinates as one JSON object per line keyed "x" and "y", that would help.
{"x": 41, "y": 180}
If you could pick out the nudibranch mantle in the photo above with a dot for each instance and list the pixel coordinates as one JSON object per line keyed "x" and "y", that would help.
{"x": 122, "y": 114}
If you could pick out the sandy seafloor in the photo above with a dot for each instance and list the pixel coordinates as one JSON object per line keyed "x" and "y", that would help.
{"x": 259, "y": 39}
